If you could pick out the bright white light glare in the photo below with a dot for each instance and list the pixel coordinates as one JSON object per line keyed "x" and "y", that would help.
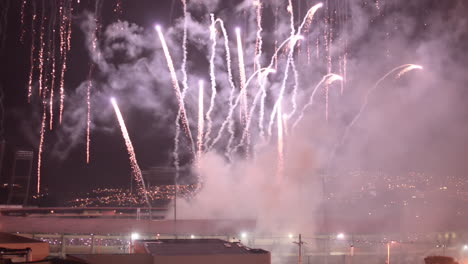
{"x": 157, "y": 27}
{"x": 192, "y": 236}
{"x": 290, "y": 235}
{"x": 465, "y": 247}
{"x": 238, "y": 30}
{"x": 298, "y": 37}
{"x": 135, "y": 236}
{"x": 243, "y": 235}
{"x": 340, "y": 236}
{"x": 112, "y": 99}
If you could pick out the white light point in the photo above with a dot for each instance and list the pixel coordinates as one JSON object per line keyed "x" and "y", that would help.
{"x": 192, "y": 236}
{"x": 290, "y": 235}
{"x": 243, "y": 235}
{"x": 135, "y": 236}
{"x": 237, "y": 30}
{"x": 340, "y": 236}
{"x": 298, "y": 37}
{"x": 465, "y": 247}
{"x": 157, "y": 27}
{"x": 112, "y": 99}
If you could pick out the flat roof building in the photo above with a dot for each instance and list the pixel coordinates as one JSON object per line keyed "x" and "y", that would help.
{"x": 182, "y": 251}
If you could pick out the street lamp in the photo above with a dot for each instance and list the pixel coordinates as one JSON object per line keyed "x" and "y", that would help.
{"x": 340, "y": 236}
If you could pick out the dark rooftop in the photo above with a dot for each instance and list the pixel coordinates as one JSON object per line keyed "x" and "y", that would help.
{"x": 6, "y": 238}
{"x": 173, "y": 247}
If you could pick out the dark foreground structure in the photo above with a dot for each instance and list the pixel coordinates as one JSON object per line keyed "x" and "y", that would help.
{"x": 181, "y": 251}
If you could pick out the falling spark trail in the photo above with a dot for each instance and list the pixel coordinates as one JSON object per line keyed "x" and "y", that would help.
{"x": 175, "y": 84}
{"x": 240, "y": 54}
{"x": 305, "y": 22}
{"x": 52, "y": 85}
{"x": 184, "y": 90}
{"x": 309, "y": 17}
{"x": 22, "y": 28}
{"x": 403, "y": 69}
{"x": 409, "y": 68}
{"x": 274, "y": 59}
{"x": 263, "y": 73}
{"x": 290, "y": 58}
{"x": 212, "y": 79}
{"x": 41, "y": 145}
{"x": 118, "y": 8}
{"x": 90, "y": 81}
{"x": 259, "y": 39}
{"x": 200, "y": 120}
{"x": 131, "y": 153}
{"x": 228, "y": 61}
{"x": 66, "y": 48}
{"x": 88, "y": 118}
{"x": 41, "y": 49}
{"x": 329, "y": 78}
{"x": 33, "y": 48}
{"x": 184, "y": 50}
{"x": 231, "y": 83}
{"x": 231, "y": 111}
{"x": 294, "y": 92}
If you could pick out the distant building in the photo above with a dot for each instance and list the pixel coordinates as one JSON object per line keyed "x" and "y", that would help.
{"x": 182, "y": 251}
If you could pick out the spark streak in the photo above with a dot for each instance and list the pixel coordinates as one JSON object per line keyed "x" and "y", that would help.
{"x": 41, "y": 49}
{"x": 240, "y": 54}
{"x": 403, "y": 69}
{"x": 262, "y": 73}
{"x": 67, "y": 17}
{"x": 33, "y": 48}
{"x": 259, "y": 40}
{"x": 22, "y": 29}
{"x": 231, "y": 110}
{"x": 212, "y": 78}
{"x": 41, "y": 146}
{"x": 131, "y": 153}
{"x": 329, "y": 79}
{"x": 175, "y": 84}
{"x": 289, "y": 61}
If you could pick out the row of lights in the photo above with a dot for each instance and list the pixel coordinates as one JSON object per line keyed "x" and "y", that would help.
{"x": 340, "y": 236}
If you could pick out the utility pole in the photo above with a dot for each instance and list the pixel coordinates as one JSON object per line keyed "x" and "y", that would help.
{"x": 299, "y": 243}
{"x": 175, "y": 202}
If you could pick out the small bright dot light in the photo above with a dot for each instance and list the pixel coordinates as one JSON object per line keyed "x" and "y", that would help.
{"x": 238, "y": 30}
{"x": 157, "y": 27}
{"x": 192, "y": 236}
{"x": 465, "y": 247}
{"x": 290, "y": 235}
{"x": 135, "y": 236}
{"x": 340, "y": 236}
{"x": 243, "y": 235}
{"x": 112, "y": 100}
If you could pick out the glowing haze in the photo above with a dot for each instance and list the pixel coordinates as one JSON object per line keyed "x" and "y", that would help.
{"x": 274, "y": 122}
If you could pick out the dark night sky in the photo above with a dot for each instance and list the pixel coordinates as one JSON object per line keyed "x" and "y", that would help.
{"x": 109, "y": 160}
